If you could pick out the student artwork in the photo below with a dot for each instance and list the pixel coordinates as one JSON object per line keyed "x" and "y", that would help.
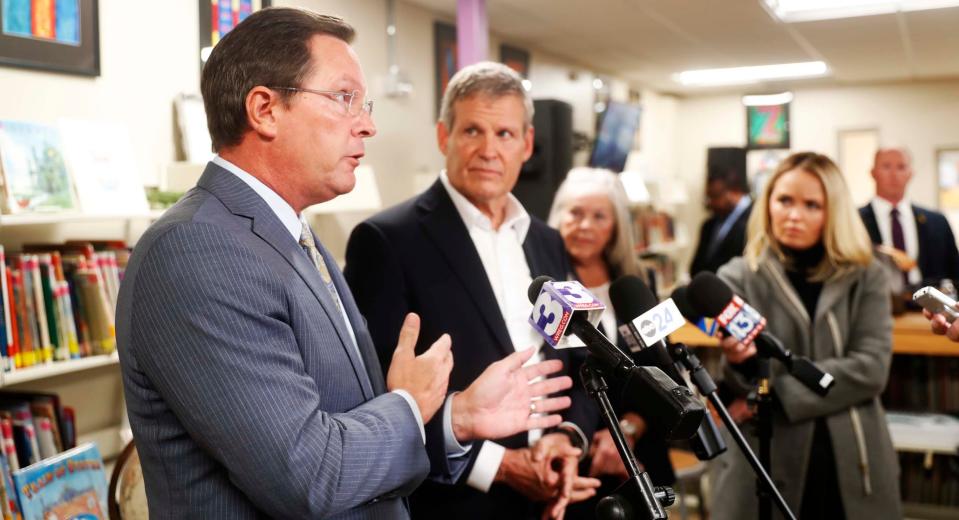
{"x": 947, "y": 164}
{"x": 767, "y": 126}
{"x": 218, "y": 17}
{"x": 34, "y": 171}
{"x": 515, "y": 58}
{"x": 54, "y": 35}
{"x": 444, "y": 52}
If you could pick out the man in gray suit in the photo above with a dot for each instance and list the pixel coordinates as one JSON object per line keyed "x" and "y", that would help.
{"x": 252, "y": 384}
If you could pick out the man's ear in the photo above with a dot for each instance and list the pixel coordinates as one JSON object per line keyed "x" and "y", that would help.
{"x": 442, "y": 136}
{"x": 262, "y": 106}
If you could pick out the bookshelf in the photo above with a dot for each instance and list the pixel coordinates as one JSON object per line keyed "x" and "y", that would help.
{"x": 32, "y": 219}
{"x": 91, "y": 385}
{"x": 56, "y": 368}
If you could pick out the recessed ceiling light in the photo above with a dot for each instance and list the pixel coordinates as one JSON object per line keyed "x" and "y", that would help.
{"x": 808, "y": 10}
{"x": 765, "y": 100}
{"x": 755, "y": 74}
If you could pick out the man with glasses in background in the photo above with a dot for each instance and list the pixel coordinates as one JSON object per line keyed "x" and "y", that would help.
{"x": 252, "y": 385}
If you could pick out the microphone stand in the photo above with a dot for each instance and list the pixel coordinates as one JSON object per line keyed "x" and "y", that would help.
{"x": 764, "y": 430}
{"x": 766, "y": 488}
{"x": 636, "y": 498}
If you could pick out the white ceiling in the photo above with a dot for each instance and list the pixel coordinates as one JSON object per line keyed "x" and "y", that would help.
{"x": 646, "y": 41}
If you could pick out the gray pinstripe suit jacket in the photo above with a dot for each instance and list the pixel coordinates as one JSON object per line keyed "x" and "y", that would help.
{"x": 245, "y": 395}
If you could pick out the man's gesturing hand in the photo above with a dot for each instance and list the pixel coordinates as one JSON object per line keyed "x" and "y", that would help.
{"x": 497, "y": 404}
{"x": 425, "y": 376}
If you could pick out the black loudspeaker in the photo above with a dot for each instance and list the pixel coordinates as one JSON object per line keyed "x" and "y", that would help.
{"x": 727, "y": 161}
{"x": 552, "y": 156}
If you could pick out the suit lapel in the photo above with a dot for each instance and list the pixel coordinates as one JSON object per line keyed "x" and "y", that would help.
{"x": 869, "y": 219}
{"x": 538, "y": 262}
{"x": 444, "y": 226}
{"x": 241, "y": 200}
{"x": 922, "y": 237}
{"x": 363, "y": 340}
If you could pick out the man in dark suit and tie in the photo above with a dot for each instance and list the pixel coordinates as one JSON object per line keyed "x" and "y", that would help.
{"x": 892, "y": 220}
{"x": 723, "y": 236}
{"x": 252, "y": 385}
{"x": 462, "y": 255}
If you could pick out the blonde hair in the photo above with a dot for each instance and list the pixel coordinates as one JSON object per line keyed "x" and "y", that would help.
{"x": 620, "y": 252}
{"x": 844, "y": 236}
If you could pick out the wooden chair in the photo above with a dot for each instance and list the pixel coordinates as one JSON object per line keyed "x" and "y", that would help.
{"x": 127, "y": 494}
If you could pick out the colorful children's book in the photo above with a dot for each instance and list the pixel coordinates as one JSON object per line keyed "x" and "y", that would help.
{"x": 69, "y": 485}
{"x": 31, "y": 156}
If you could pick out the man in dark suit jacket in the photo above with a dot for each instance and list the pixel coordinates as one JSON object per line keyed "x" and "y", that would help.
{"x": 252, "y": 385}
{"x": 924, "y": 235}
{"x": 462, "y": 255}
{"x": 723, "y": 236}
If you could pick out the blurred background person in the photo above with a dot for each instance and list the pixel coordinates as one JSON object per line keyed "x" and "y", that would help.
{"x": 808, "y": 268}
{"x": 591, "y": 211}
{"x": 927, "y": 248}
{"x": 723, "y": 236}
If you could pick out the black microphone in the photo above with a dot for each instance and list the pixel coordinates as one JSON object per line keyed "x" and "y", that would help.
{"x": 675, "y": 411}
{"x": 631, "y": 298}
{"x": 710, "y": 296}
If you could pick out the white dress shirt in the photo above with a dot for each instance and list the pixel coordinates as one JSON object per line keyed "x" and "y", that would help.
{"x": 501, "y": 253}
{"x": 882, "y": 208}
{"x": 291, "y": 221}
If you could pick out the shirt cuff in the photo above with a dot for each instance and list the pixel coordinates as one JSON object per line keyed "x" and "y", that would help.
{"x": 416, "y": 410}
{"x": 485, "y": 466}
{"x": 453, "y": 447}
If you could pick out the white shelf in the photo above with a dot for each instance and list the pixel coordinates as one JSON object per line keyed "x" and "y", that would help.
{"x": 57, "y": 368}
{"x": 29, "y": 219}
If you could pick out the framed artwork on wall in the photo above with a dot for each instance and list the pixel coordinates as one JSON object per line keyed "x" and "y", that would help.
{"x": 515, "y": 58}
{"x": 444, "y": 56}
{"x": 218, "y": 17}
{"x": 767, "y": 126}
{"x": 947, "y": 167}
{"x": 52, "y": 35}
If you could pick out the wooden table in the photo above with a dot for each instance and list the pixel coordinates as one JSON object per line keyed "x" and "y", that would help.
{"x": 910, "y": 335}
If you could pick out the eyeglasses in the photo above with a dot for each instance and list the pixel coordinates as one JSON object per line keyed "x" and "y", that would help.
{"x": 343, "y": 98}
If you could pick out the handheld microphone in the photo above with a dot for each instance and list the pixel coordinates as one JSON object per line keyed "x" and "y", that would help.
{"x": 561, "y": 308}
{"x": 632, "y": 300}
{"x": 710, "y": 296}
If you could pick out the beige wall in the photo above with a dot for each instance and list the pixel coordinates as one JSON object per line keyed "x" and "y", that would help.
{"x": 919, "y": 116}
{"x": 144, "y": 63}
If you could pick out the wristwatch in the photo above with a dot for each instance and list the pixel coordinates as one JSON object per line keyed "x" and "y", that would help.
{"x": 629, "y": 428}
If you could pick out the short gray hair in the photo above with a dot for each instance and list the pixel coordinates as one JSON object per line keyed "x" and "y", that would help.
{"x": 488, "y": 78}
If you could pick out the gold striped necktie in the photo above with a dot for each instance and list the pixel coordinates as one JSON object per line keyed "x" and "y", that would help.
{"x": 308, "y": 244}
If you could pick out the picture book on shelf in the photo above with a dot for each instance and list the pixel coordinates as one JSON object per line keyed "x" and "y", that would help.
{"x": 34, "y": 169}
{"x": 69, "y": 485}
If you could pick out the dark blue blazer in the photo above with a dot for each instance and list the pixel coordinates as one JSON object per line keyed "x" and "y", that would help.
{"x": 418, "y": 257}
{"x": 938, "y": 257}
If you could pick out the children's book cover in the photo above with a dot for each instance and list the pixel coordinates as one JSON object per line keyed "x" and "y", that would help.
{"x": 71, "y": 485}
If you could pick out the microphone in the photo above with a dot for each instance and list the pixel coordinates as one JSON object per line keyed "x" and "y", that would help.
{"x": 710, "y": 296}
{"x": 632, "y": 299}
{"x": 562, "y": 308}
{"x": 707, "y": 325}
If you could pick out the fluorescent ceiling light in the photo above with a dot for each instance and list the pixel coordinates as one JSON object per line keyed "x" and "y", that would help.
{"x": 808, "y": 10}
{"x": 766, "y": 100}
{"x": 745, "y": 75}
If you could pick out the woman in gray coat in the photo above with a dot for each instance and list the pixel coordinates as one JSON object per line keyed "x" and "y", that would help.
{"x": 808, "y": 268}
